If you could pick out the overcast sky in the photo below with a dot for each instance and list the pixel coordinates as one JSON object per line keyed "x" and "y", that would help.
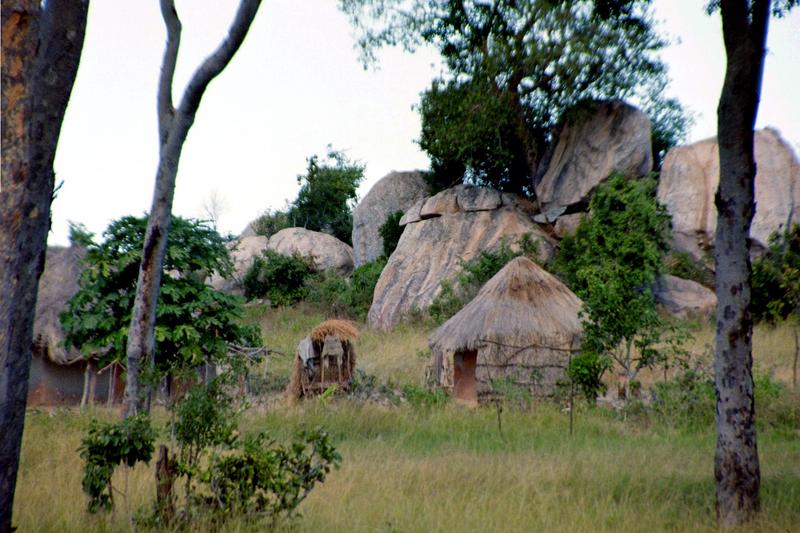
{"x": 295, "y": 86}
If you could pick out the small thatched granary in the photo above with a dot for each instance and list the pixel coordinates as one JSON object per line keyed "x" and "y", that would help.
{"x": 59, "y": 376}
{"x": 325, "y": 358}
{"x": 520, "y": 329}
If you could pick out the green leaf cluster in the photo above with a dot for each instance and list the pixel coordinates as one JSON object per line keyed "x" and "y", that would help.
{"x": 280, "y": 278}
{"x": 193, "y": 320}
{"x": 775, "y": 288}
{"x": 328, "y": 192}
{"x": 611, "y": 263}
{"x": 340, "y": 297}
{"x": 390, "y": 232}
{"x": 105, "y": 447}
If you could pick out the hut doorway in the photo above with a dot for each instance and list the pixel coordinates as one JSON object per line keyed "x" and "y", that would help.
{"x": 465, "y": 386}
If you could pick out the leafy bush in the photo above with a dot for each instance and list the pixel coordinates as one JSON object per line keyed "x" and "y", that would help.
{"x": 422, "y": 397}
{"x": 340, "y": 297}
{"x": 611, "y": 263}
{"x": 105, "y": 447}
{"x": 586, "y": 371}
{"x": 391, "y": 231}
{"x": 271, "y": 222}
{"x": 280, "y": 278}
{"x": 194, "y": 322}
{"x": 474, "y": 273}
{"x": 776, "y": 278}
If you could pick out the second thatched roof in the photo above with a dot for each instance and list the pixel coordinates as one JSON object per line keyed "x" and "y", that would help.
{"x": 522, "y": 305}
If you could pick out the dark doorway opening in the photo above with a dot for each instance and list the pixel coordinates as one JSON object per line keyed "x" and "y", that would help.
{"x": 465, "y": 386}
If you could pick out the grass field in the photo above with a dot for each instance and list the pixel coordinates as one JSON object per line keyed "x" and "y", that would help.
{"x": 449, "y": 468}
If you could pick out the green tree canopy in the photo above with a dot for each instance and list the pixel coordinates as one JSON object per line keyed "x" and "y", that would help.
{"x": 194, "y": 321}
{"x": 514, "y": 69}
{"x": 612, "y": 262}
{"x": 328, "y": 192}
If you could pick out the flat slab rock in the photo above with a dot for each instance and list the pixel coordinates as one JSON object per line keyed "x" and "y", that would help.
{"x": 683, "y": 297}
{"x": 432, "y": 249}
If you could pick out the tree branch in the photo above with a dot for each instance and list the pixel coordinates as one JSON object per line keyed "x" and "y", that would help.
{"x": 216, "y": 62}
{"x": 166, "y": 110}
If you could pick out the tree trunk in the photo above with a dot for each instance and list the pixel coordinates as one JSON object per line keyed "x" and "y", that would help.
{"x": 174, "y": 125}
{"x": 40, "y": 54}
{"x": 736, "y": 466}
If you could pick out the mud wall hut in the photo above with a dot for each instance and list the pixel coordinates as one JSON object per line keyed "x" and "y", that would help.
{"x": 520, "y": 329}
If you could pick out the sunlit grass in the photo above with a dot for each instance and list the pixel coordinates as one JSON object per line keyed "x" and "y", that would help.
{"x": 450, "y": 468}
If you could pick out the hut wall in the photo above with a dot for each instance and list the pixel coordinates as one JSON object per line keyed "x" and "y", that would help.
{"x": 52, "y": 384}
{"x": 537, "y": 369}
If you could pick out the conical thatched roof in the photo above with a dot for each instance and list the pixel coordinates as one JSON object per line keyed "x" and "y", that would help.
{"x": 522, "y": 305}
{"x": 59, "y": 282}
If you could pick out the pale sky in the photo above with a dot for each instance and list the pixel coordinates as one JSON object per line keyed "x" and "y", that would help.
{"x": 295, "y": 86}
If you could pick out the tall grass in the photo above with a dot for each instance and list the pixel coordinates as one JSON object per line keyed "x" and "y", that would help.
{"x": 449, "y": 468}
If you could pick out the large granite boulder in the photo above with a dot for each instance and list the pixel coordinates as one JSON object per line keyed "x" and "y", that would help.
{"x": 243, "y": 251}
{"x": 441, "y": 232}
{"x": 610, "y": 137}
{"x": 327, "y": 252}
{"x": 683, "y": 297}
{"x": 395, "y": 192}
{"x": 689, "y": 181}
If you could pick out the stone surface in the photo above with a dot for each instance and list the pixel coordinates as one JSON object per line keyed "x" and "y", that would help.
{"x": 395, "y": 192}
{"x": 431, "y": 250}
{"x": 477, "y": 199}
{"x": 683, "y": 297}
{"x": 443, "y": 203}
{"x": 567, "y": 224}
{"x": 327, "y": 252}
{"x": 243, "y": 251}
{"x": 689, "y": 181}
{"x": 614, "y": 137}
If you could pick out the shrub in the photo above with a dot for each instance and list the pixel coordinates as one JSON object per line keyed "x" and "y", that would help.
{"x": 280, "y": 278}
{"x": 776, "y": 278}
{"x": 682, "y": 265}
{"x": 271, "y": 222}
{"x": 340, "y": 297}
{"x": 390, "y": 231}
{"x": 421, "y": 397}
{"x": 105, "y": 447}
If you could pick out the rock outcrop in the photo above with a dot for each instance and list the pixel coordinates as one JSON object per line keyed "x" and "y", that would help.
{"x": 441, "y": 232}
{"x": 612, "y": 137}
{"x": 327, "y": 252}
{"x": 395, "y": 192}
{"x": 683, "y": 297}
{"x": 689, "y": 181}
{"x": 243, "y": 251}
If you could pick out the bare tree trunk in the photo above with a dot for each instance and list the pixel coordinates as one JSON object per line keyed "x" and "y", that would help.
{"x": 40, "y": 54}
{"x": 173, "y": 126}
{"x": 736, "y": 465}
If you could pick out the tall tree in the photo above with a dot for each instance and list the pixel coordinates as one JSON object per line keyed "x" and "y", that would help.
{"x": 173, "y": 126}
{"x": 736, "y": 465}
{"x": 513, "y": 70}
{"x": 41, "y": 48}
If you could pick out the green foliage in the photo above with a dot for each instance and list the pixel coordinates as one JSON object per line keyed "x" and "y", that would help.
{"x": 472, "y": 133}
{"x": 425, "y": 398}
{"x": 272, "y": 221}
{"x": 586, "y": 372}
{"x": 106, "y": 446}
{"x": 611, "y": 263}
{"x": 280, "y": 278}
{"x": 262, "y": 477}
{"x": 776, "y": 278}
{"x": 79, "y": 235}
{"x": 341, "y": 297}
{"x": 474, "y": 273}
{"x": 327, "y": 193}
{"x": 514, "y": 70}
{"x": 193, "y": 322}
{"x": 390, "y": 231}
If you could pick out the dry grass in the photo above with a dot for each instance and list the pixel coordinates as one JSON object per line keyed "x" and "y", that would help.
{"x": 451, "y": 469}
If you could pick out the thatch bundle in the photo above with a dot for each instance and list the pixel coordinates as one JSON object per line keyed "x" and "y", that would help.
{"x": 325, "y": 358}
{"x": 59, "y": 282}
{"x": 521, "y": 327}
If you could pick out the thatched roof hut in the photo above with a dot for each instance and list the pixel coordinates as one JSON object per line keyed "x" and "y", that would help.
{"x": 325, "y": 358}
{"x": 519, "y": 329}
